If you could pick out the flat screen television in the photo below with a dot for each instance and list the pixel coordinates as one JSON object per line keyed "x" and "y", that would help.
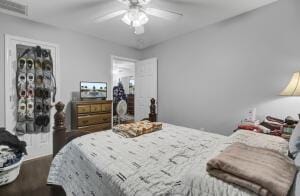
{"x": 93, "y": 90}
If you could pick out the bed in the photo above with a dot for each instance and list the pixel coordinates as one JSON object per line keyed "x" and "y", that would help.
{"x": 171, "y": 161}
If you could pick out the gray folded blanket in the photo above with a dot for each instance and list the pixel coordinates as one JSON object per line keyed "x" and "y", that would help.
{"x": 263, "y": 171}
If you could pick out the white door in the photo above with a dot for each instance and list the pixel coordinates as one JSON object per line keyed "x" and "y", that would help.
{"x": 37, "y": 144}
{"x": 145, "y": 87}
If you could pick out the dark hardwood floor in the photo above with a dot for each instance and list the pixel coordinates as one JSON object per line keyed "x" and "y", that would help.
{"x": 32, "y": 180}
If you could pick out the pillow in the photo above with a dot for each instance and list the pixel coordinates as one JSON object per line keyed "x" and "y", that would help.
{"x": 294, "y": 143}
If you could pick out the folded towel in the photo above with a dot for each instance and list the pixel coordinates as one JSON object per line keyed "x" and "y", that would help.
{"x": 263, "y": 171}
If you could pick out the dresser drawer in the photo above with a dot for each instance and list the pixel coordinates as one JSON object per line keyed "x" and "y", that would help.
{"x": 105, "y": 118}
{"x": 95, "y": 128}
{"x": 96, "y": 108}
{"x": 93, "y": 119}
{"x": 89, "y": 120}
{"x": 83, "y": 109}
{"x": 106, "y": 107}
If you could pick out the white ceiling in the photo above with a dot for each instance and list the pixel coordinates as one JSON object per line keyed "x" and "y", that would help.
{"x": 78, "y": 15}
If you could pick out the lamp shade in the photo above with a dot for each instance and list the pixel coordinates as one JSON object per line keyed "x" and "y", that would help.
{"x": 293, "y": 88}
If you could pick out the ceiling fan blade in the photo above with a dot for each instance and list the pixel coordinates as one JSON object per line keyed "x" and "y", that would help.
{"x": 183, "y": 2}
{"x": 139, "y": 30}
{"x": 168, "y": 15}
{"x": 109, "y": 16}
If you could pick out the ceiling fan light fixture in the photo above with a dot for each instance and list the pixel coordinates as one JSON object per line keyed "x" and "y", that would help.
{"x": 135, "y": 18}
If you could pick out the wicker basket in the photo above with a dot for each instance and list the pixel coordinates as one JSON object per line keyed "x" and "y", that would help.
{"x": 10, "y": 173}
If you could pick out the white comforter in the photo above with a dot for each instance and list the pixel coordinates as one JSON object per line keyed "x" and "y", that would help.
{"x": 168, "y": 162}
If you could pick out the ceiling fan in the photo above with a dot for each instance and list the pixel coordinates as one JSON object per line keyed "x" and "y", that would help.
{"x": 136, "y": 16}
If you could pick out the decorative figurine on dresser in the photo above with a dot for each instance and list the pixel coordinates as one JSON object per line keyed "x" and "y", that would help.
{"x": 36, "y": 89}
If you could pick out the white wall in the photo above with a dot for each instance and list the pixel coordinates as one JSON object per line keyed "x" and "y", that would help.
{"x": 211, "y": 77}
{"x": 82, "y": 57}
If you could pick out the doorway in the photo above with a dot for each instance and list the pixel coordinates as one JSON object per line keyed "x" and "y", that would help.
{"x": 134, "y": 85}
{"x": 123, "y": 87}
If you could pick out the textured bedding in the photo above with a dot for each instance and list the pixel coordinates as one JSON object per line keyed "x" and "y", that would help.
{"x": 265, "y": 172}
{"x": 168, "y": 162}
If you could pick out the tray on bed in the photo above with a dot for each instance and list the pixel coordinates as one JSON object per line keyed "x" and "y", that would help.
{"x": 137, "y": 128}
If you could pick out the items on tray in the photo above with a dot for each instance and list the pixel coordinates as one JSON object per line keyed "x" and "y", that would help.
{"x": 137, "y": 128}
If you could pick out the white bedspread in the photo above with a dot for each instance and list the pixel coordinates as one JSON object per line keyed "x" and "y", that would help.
{"x": 168, "y": 162}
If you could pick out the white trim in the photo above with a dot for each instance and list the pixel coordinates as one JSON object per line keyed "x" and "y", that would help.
{"x": 114, "y": 57}
{"x": 6, "y": 74}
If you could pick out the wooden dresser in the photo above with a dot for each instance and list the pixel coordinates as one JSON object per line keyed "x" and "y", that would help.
{"x": 91, "y": 116}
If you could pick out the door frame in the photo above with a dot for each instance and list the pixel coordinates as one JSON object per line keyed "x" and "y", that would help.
{"x": 112, "y": 58}
{"x": 8, "y": 39}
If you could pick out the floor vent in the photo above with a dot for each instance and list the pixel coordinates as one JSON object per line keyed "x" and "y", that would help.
{"x": 14, "y": 7}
